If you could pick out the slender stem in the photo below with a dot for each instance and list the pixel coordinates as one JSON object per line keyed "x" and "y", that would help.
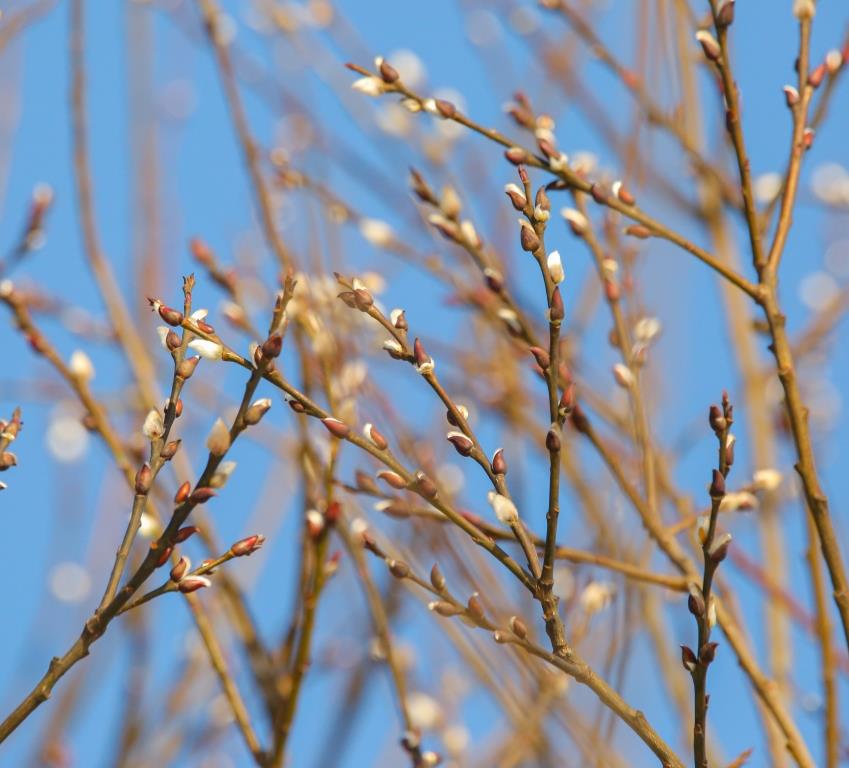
{"x": 831, "y": 731}
{"x": 735, "y": 129}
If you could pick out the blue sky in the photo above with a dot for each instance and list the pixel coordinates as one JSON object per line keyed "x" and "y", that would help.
{"x": 59, "y": 512}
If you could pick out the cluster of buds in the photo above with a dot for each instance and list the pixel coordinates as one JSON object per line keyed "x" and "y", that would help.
{"x": 8, "y": 432}
{"x": 186, "y": 580}
{"x": 356, "y": 295}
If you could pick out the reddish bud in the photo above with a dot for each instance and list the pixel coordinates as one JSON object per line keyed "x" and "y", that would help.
{"x": 516, "y": 155}
{"x": 717, "y": 485}
{"x": 272, "y": 346}
{"x": 392, "y": 478}
{"x": 688, "y": 658}
{"x": 170, "y": 316}
{"x": 247, "y": 546}
{"x": 446, "y": 108}
{"x": 170, "y": 449}
{"x": 499, "y": 463}
{"x": 183, "y": 492}
{"x": 791, "y": 96}
{"x": 556, "y": 311}
{"x": 708, "y": 653}
{"x": 598, "y": 194}
{"x": 541, "y": 356}
{"x": 725, "y": 15}
{"x": 185, "y": 533}
{"x": 180, "y": 569}
{"x": 336, "y": 427}
{"x": 376, "y": 438}
{"x": 143, "y": 479}
{"x": 193, "y": 584}
{"x": 808, "y": 138}
{"x": 817, "y": 75}
{"x": 172, "y": 340}
{"x": 528, "y": 239}
{"x": 425, "y": 486}
{"x": 579, "y": 419}
{"x": 567, "y": 399}
{"x": 186, "y": 367}
{"x": 638, "y": 231}
{"x": 461, "y": 443}
{"x": 163, "y": 557}
{"x": 388, "y": 73}
{"x": 552, "y": 439}
{"x": 201, "y": 495}
{"x": 421, "y": 357}
{"x": 363, "y": 299}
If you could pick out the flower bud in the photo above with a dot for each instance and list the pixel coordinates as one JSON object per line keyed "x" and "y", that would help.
{"x": 707, "y": 653}
{"x": 638, "y": 231}
{"x": 436, "y": 578}
{"x": 247, "y": 546}
{"x": 398, "y": 568}
{"x": 725, "y": 14}
{"x": 541, "y": 356}
{"x": 185, "y": 533}
{"x": 688, "y": 659}
{"x": 505, "y": 510}
{"x": 696, "y": 601}
{"x": 336, "y": 428}
{"x": 424, "y": 363}
{"x": 182, "y": 567}
{"x": 144, "y": 478}
{"x": 257, "y": 409}
{"x": 499, "y": 463}
{"x": 556, "y": 311}
{"x": 392, "y": 478}
{"x": 517, "y": 627}
{"x": 170, "y": 316}
{"x": 719, "y": 548}
{"x": 517, "y": 197}
{"x": 186, "y": 367}
{"x": 444, "y": 608}
{"x": 717, "y": 485}
{"x": 374, "y": 436}
{"x": 218, "y": 441}
{"x": 153, "y": 427}
{"x": 170, "y": 449}
{"x": 425, "y": 486}
{"x": 201, "y": 495}
{"x": 528, "y": 239}
{"x": 388, "y": 73}
{"x": 461, "y": 443}
{"x": 163, "y": 556}
{"x": 183, "y": 492}
{"x": 710, "y": 46}
{"x": 193, "y": 583}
